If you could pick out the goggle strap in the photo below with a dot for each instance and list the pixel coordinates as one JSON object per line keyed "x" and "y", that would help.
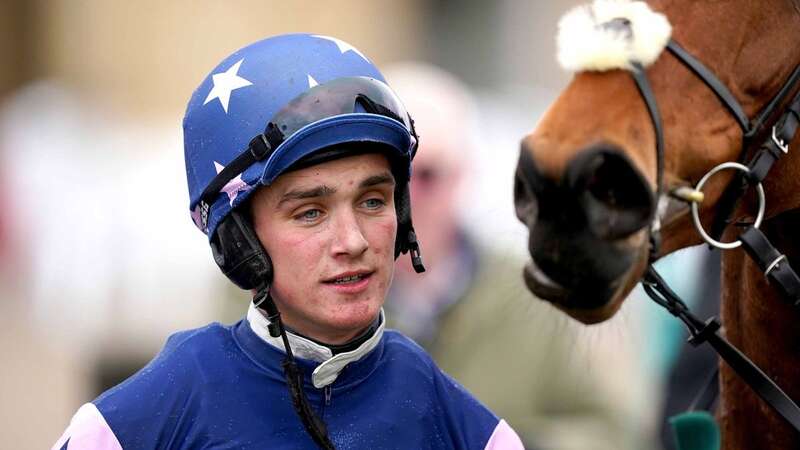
{"x": 376, "y": 108}
{"x": 416, "y": 136}
{"x": 259, "y": 148}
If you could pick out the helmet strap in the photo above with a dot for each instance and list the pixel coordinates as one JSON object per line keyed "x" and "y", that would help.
{"x": 314, "y": 426}
{"x": 259, "y": 148}
{"x": 415, "y": 253}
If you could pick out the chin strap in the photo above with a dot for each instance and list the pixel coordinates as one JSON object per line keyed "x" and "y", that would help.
{"x": 314, "y": 426}
{"x": 416, "y": 254}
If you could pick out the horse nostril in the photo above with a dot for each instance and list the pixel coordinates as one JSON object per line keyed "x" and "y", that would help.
{"x": 615, "y": 198}
{"x": 526, "y": 180}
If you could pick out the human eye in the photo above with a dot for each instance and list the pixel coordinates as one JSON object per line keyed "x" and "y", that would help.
{"x": 309, "y": 215}
{"x": 374, "y": 203}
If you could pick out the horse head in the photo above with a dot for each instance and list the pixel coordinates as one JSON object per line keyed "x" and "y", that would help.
{"x": 587, "y": 183}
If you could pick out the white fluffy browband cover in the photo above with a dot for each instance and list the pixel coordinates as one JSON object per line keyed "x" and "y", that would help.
{"x": 611, "y": 34}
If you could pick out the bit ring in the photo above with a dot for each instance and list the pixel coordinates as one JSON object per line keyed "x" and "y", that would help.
{"x": 696, "y": 213}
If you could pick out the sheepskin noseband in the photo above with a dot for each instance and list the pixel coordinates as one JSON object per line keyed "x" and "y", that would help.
{"x": 611, "y": 34}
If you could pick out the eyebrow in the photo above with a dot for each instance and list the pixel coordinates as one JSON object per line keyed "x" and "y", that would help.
{"x": 323, "y": 190}
{"x": 299, "y": 194}
{"x": 377, "y": 179}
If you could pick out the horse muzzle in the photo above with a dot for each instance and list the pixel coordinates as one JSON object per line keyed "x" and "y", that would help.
{"x": 587, "y": 227}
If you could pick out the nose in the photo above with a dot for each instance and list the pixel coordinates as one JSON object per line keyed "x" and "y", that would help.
{"x": 348, "y": 236}
{"x": 615, "y": 198}
{"x": 528, "y": 185}
{"x": 600, "y": 188}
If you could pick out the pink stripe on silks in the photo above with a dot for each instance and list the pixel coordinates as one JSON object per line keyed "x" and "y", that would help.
{"x": 88, "y": 430}
{"x": 504, "y": 438}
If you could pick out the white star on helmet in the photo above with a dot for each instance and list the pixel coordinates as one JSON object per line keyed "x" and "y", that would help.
{"x": 225, "y": 83}
{"x": 343, "y": 46}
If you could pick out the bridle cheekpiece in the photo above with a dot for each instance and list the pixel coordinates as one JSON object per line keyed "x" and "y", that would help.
{"x": 608, "y": 35}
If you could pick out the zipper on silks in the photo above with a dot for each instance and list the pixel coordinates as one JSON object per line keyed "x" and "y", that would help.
{"x": 327, "y": 392}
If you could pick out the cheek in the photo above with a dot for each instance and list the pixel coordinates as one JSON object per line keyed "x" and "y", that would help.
{"x": 383, "y": 235}
{"x": 295, "y": 262}
{"x": 294, "y": 256}
{"x": 382, "y": 242}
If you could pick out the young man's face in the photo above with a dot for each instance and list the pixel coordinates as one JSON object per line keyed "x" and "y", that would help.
{"x": 330, "y": 230}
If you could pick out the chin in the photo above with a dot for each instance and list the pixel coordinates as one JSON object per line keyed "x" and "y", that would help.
{"x": 586, "y": 299}
{"x": 353, "y": 316}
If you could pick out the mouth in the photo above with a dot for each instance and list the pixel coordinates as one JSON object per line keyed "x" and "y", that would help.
{"x": 351, "y": 282}
{"x": 543, "y": 286}
{"x": 587, "y": 304}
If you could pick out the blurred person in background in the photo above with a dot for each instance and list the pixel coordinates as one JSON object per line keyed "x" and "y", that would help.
{"x": 309, "y": 216}
{"x": 8, "y": 212}
{"x": 470, "y": 309}
{"x": 5, "y": 223}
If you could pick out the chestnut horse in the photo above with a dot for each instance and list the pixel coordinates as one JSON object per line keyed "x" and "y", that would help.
{"x": 591, "y": 201}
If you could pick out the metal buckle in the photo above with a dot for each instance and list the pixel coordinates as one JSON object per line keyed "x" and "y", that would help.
{"x": 259, "y": 147}
{"x": 779, "y": 142}
{"x": 696, "y": 214}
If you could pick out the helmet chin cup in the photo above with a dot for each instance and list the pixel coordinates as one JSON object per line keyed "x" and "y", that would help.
{"x": 406, "y": 240}
{"x": 239, "y": 254}
{"x": 416, "y": 254}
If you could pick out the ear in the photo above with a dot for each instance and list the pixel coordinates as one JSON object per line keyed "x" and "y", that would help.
{"x": 239, "y": 254}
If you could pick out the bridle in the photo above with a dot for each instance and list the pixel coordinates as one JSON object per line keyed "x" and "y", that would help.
{"x": 774, "y": 264}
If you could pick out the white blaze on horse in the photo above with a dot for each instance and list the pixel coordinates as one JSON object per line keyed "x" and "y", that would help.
{"x": 676, "y": 104}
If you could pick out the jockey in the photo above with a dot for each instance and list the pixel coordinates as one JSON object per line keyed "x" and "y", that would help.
{"x": 298, "y": 157}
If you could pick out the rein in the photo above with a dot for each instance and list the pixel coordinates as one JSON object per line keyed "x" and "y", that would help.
{"x": 774, "y": 264}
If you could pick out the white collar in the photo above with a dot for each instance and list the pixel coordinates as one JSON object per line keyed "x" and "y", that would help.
{"x": 330, "y": 367}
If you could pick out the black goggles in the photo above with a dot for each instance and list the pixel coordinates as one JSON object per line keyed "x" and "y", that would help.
{"x": 345, "y": 95}
{"x": 340, "y": 96}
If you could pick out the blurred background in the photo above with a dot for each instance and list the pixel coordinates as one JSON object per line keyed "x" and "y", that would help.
{"x": 99, "y": 260}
